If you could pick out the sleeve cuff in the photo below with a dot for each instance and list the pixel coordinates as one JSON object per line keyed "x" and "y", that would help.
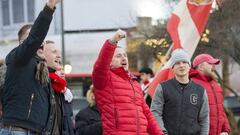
{"x": 48, "y": 10}
{"x": 112, "y": 42}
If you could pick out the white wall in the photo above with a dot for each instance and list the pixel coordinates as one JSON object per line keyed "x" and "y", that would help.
{"x": 104, "y": 14}
{"x": 82, "y": 49}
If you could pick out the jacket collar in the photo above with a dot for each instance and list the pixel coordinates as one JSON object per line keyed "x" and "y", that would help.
{"x": 123, "y": 73}
{"x": 193, "y": 73}
{"x": 178, "y": 83}
{"x": 95, "y": 108}
{"x": 51, "y": 70}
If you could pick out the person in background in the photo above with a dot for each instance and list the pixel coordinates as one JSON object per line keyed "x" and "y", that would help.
{"x": 63, "y": 96}
{"x": 119, "y": 96}
{"x": 179, "y": 104}
{"x": 146, "y": 75}
{"x": 67, "y": 106}
{"x": 88, "y": 121}
{"x": 203, "y": 74}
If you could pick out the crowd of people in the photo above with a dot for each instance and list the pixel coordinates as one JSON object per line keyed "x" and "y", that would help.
{"x": 35, "y": 99}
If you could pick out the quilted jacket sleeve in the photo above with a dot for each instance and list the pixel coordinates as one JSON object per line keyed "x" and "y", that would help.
{"x": 102, "y": 65}
{"x": 226, "y": 127}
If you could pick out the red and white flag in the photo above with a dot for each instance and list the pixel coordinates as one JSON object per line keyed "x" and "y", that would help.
{"x": 185, "y": 27}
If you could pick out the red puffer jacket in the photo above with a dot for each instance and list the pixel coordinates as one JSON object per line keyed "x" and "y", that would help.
{"x": 120, "y": 100}
{"x": 218, "y": 120}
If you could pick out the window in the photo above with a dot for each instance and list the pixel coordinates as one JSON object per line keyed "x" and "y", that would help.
{"x": 5, "y": 12}
{"x": 17, "y": 11}
{"x": 30, "y": 10}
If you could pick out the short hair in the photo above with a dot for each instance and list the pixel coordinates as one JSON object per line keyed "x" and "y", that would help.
{"x": 23, "y": 30}
{"x": 147, "y": 71}
{"x": 46, "y": 42}
{"x": 49, "y": 42}
{"x": 1, "y": 62}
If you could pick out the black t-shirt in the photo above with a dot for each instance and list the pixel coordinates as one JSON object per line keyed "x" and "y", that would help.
{"x": 183, "y": 85}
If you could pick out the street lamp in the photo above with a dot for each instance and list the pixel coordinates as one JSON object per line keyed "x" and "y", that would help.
{"x": 67, "y": 68}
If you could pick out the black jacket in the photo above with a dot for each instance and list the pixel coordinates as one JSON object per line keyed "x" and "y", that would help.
{"x": 64, "y": 113}
{"x": 63, "y": 123}
{"x": 88, "y": 122}
{"x": 181, "y": 107}
{"x": 25, "y": 102}
{"x": 67, "y": 119}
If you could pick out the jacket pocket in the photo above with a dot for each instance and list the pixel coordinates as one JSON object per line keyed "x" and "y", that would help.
{"x": 116, "y": 117}
{"x": 30, "y": 105}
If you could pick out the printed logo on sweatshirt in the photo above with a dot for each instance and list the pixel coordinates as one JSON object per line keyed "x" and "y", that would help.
{"x": 193, "y": 99}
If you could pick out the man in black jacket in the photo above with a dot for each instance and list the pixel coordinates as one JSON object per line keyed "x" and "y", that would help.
{"x": 27, "y": 98}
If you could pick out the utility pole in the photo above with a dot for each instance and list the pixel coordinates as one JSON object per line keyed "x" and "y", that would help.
{"x": 62, "y": 35}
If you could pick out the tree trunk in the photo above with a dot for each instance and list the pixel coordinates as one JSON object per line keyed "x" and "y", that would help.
{"x": 225, "y": 74}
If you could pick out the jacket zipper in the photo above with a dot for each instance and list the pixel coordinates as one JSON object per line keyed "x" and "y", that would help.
{"x": 134, "y": 91}
{"x": 30, "y": 105}
{"x": 215, "y": 98}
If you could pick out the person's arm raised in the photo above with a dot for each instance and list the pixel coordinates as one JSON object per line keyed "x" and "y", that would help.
{"x": 29, "y": 46}
{"x": 52, "y": 3}
{"x": 102, "y": 65}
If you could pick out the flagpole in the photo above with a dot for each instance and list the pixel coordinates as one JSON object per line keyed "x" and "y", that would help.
{"x": 166, "y": 57}
{"x": 163, "y": 65}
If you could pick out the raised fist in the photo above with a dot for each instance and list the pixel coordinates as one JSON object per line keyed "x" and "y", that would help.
{"x": 52, "y": 3}
{"x": 120, "y": 34}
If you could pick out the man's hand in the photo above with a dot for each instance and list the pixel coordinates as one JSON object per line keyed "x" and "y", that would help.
{"x": 52, "y": 3}
{"x": 120, "y": 34}
{"x": 224, "y": 133}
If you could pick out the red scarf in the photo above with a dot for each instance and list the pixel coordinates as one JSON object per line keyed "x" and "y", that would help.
{"x": 58, "y": 84}
{"x": 146, "y": 82}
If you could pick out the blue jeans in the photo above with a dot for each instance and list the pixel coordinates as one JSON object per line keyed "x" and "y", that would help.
{"x": 12, "y": 132}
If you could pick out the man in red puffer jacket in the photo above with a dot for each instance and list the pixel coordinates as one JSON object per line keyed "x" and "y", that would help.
{"x": 119, "y": 96}
{"x": 204, "y": 65}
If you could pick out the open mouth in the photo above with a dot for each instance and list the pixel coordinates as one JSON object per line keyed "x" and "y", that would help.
{"x": 124, "y": 64}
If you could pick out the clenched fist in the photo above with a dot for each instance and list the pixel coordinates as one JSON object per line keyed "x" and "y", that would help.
{"x": 120, "y": 34}
{"x": 224, "y": 133}
{"x": 52, "y": 3}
